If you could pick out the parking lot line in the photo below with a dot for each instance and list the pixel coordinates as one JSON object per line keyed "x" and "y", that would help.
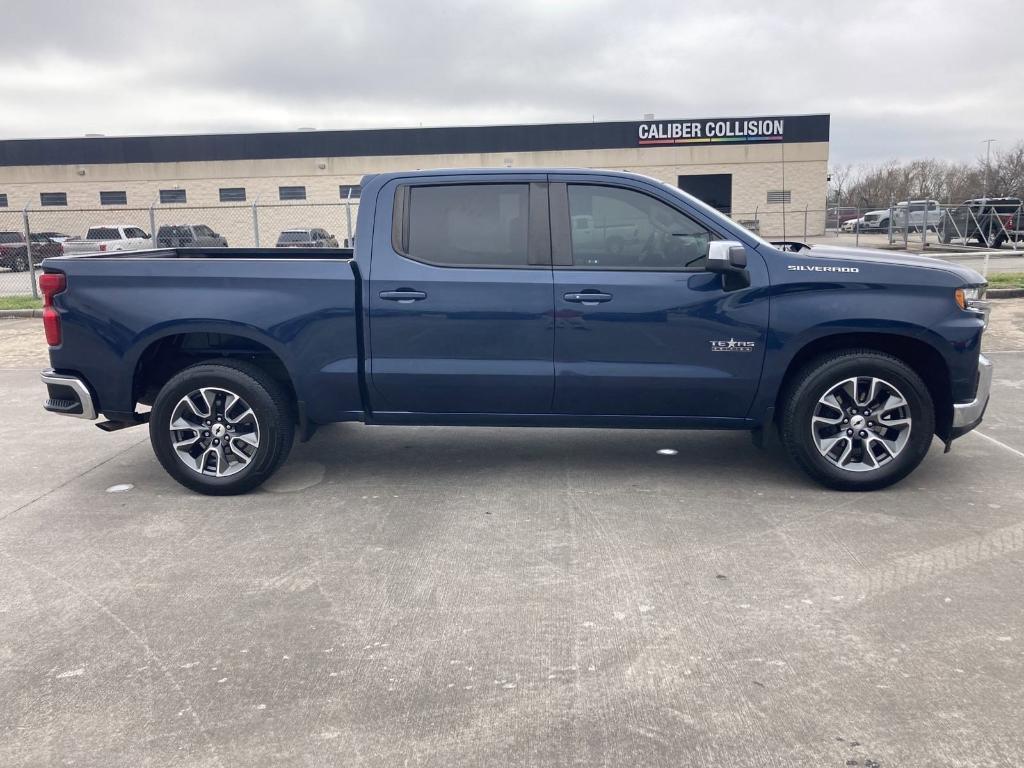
{"x": 997, "y": 442}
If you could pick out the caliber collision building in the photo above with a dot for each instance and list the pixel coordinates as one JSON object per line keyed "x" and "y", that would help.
{"x": 769, "y": 172}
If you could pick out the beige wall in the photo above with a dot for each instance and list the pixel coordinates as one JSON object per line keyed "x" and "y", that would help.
{"x": 756, "y": 168}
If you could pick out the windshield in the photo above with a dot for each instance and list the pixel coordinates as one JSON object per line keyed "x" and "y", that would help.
{"x": 10, "y": 237}
{"x": 295, "y": 236}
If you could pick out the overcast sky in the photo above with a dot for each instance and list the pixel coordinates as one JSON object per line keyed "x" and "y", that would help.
{"x": 900, "y": 79}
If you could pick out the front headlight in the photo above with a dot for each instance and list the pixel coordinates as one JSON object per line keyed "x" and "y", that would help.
{"x": 973, "y": 298}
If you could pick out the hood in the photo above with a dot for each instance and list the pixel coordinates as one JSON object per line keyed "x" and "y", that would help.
{"x": 869, "y": 256}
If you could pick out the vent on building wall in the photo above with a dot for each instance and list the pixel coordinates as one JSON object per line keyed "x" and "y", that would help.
{"x": 3, "y": 200}
{"x": 53, "y": 198}
{"x": 291, "y": 193}
{"x": 113, "y": 198}
{"x": 779, "y": 196}
{"x": 232, "y": 194}
{"x": 172, "y": 196}
{"x": 349, "y": 191}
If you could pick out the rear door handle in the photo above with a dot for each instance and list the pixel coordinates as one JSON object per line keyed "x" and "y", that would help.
{"x": 589, "y": 298}
{"x": 403, "y": 295}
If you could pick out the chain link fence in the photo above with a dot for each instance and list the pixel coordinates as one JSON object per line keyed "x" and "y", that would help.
{"x": 982, "y": 223}
{"x": 54, "y": 231}
{"x": 986, "y": 223}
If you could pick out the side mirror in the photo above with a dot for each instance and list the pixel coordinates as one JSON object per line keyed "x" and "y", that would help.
{"x": 729, "y": 259}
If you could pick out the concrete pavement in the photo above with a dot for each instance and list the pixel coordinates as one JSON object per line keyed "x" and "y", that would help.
{"x": 421, "y": 596}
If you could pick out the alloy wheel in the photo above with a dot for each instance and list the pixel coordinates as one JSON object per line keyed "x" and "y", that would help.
{"x": 861, "y": 424}
{"x": 214, "y": 432}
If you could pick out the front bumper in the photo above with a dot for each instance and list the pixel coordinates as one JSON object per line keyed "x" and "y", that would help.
{"x": 966, "y": 416}
{"x": 68, "y": 395}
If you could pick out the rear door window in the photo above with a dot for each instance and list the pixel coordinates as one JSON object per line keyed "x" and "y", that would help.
{"x": 468, "y": 225}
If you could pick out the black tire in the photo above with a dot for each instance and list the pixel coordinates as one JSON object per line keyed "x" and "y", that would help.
{"x": 947, "y": 236}
{"x": 264, "y": 395}
{"x": 815, "y": 379}
{"x": 20, "y": 263}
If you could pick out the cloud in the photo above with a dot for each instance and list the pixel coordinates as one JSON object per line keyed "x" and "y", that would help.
{"x": 904, "y": 80}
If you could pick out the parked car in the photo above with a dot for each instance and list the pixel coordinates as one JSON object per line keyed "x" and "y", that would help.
{"x": 913, "y": 215}
{"x": 14, "y": 254}
{"x": 455, "y": 313}
{"x": 988, "y": 221}
{"x": 189, "y": 236}
{"x": 57, "y": 237}
{"x": 44, "y": 247}
{"x": 13, "y": 251}
{"x": 853, "y": 225}
{"x": 109, "y": 237}
{"x": 876, "y": 221}
{"x": 834, "y": 217}
{"x": 306, "y": 238}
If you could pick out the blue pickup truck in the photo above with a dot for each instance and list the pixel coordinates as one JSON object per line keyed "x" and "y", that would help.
{"x": 556, "y": 298}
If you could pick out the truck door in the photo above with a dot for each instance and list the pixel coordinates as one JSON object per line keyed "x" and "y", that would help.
{"x": 642, "y": 329}
{"x": 460, "y": 302}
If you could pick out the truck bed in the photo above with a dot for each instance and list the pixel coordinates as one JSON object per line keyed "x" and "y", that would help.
{"x": 224, "y": 253}
{"x": 300, "y": 305}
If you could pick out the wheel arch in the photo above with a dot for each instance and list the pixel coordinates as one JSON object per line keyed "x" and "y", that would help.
{"x": 161, "y": 357}
{"x": 923, "y": 358}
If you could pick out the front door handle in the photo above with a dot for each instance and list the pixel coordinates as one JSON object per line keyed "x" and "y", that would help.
{"x": 590, "y": 298}
{"x": 403, "y": 295}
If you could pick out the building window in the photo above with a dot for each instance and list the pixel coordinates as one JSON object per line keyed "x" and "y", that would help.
{"x": 53, "y": 198}
{"x": 113, "y": 198}
{"x": 232, "y": 194}
{"x": 291, "y": 193}
{"x": 172, "y": 196}
{"x": 350, "y": 191}
{"x": 3, "y": 200}
{"x": 779, "y": 196}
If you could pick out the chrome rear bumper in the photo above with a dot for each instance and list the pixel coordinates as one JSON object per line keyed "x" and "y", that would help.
{"x": 68, "y": 395}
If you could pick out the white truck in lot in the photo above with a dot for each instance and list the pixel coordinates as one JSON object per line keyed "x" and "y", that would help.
{"x": 916, "y": 214}
{"x": 109, "y": 237}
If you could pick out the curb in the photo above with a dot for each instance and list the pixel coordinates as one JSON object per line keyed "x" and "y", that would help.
{"x": 1004, "y": 293}
{"x": 15, "y": 313}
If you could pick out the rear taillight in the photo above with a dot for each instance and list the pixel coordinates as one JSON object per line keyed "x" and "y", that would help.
{"x": 103, "y": 246}
{"x": 51, "y": 283}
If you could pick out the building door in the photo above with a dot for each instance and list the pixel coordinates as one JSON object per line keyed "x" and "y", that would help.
{"x": 715, "y": 189}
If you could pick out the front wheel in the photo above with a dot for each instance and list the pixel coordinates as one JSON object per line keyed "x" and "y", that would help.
{"x": 857, "y": 420}
{"x": 221, "y": 428}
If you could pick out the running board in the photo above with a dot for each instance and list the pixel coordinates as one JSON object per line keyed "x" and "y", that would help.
{"x": 114, "y": 426}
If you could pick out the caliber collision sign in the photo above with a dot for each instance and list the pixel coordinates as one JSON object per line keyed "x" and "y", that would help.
{"x": 728, "y": 131}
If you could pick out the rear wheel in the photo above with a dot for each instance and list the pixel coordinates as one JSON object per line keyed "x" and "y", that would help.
{"x": 221, "y": 428}
{"x": 857, "y": 420}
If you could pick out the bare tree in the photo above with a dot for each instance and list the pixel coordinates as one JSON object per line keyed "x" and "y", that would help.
{"x": 839, "y": 177}
{"x": 877, "y": 185}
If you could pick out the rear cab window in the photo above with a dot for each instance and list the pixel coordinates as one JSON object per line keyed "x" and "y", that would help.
{"x": 465, "y": 225}
{"x": 103, "y": 233}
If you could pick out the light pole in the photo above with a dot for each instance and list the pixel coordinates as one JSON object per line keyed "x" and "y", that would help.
{"x": 988, "y": 164}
